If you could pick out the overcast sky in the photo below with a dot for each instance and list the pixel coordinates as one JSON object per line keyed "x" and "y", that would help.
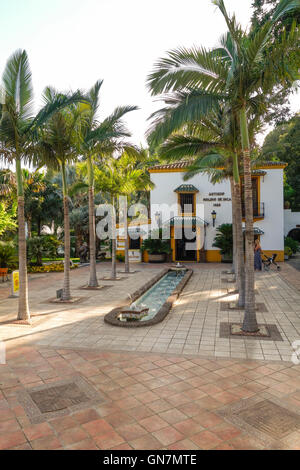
{"x": 72, "y": 43}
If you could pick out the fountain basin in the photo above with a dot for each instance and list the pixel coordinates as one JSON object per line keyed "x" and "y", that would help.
{"x": 157, "y": 296}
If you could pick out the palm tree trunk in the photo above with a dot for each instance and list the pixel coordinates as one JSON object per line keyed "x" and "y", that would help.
{"x": 250, "y": 322}
{"x": 93, "y": 282}
{"x": 113, "y": 242}
{"x": 66, "y": 295}
{"x": 234, "y": 254}
{"x": 23, "y": 310}
{"x": 127, "y": 266}
{"x": 240, "y": 263}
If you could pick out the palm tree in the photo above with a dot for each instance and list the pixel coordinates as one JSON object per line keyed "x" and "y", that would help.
{"x": 98, "y": 139}
{"x": 133, "y": 177}
{"x": 18, "y": 131}
{"x": 58, "y": 147}
{"x": 107, "y": 181}
{"x": 239, "y": 74}
{"x": 212, "y": 147}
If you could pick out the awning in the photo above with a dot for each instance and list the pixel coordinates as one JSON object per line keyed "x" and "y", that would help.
{"x": 256, "y": 230}
{"x": 185, "y": 221}
{"x": 186, "y": 188}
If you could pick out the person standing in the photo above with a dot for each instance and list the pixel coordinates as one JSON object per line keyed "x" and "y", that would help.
{"x": 257, "y": 256}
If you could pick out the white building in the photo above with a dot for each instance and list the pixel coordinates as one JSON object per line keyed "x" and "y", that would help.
{"x": 205, "y": 198}
{"x": 192, "y": 203}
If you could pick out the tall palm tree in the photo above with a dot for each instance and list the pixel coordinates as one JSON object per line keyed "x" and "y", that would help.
{"x": 58, "y": 146}
{"x": 18, "y": 131}
{"x": 132, "y": 177}
{"x": 98, "y": 139}
{"x": 212, "y": 146}
{"x": 238, "y": 73}
{"x": 107, "y": 180}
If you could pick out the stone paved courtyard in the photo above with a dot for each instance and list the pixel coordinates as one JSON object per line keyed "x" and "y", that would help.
{"x": 192, "y": 327}
{"x": 175, "y": 385}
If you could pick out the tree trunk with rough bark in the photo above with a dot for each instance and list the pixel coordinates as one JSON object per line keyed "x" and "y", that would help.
{"x": 66, "y": 294}
{"x": 240, "y": 262}
{"x": 23, "y": 308}
{"x": 234, "y": 254}
{"x": 250, "y": 321}
{"x": 93, "y": 282}
{"x": 23, "y": 311}
{"x": 127, "y": 266}
{"x": 113, "y": 243}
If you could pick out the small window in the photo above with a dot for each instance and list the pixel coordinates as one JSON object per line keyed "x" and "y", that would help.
{"x": 187, "y": 203}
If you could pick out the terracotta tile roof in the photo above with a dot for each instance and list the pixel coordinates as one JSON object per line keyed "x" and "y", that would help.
{"x": 170, "y": 166}
{"x": 186, "y": 163}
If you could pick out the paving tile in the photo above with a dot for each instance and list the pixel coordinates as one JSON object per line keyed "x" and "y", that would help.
{"x": 206, "y": 440}
{"x": 153, "y": 423}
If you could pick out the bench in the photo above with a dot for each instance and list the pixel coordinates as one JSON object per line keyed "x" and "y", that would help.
{"x": 4, "y": 274}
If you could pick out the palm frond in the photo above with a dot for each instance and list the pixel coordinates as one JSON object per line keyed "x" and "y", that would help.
{"x": 188, "y": 68}
{"x": 190, "y": 107}
{"x": 17, "y": 82}
{"x": 179, "y": 147}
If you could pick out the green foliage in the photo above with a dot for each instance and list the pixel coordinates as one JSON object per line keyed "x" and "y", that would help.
{"x": 120, "y": 258}
{"x": 42, "y": 247}
{"x": 262, "y": 12}
{"x": 292, "y": 244}
{"x": 283, "y": 144}
{"x": 224, "y": 240}
{"x": 7, "y": 218}
{"x": 7, "y": 254}
{"x": 288, "y": 251}
{"x": 156, "y": 245}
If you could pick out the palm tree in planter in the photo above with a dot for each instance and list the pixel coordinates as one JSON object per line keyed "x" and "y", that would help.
{"x": 133, "y": 177}
{"x": 107, "y": 180}
{"x": 58, "y": 147}
{"x": 98, "y": 140}
{"x": 239, "y": 73}
{"x": 18, "y": 133}
{"x": 212, "y": 146}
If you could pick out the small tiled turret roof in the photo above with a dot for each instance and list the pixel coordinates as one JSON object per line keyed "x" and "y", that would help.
{"x": 186, "y": 188}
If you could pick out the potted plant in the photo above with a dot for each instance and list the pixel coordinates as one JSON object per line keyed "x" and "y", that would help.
{"x": 224, "y": 241}
{"x": 156, "y": 247}
{"x": 292, "y": 244}
{"x": 287, "y": 252}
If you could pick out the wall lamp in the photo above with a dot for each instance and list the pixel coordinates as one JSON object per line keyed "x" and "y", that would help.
{"x": 214, "y": 216}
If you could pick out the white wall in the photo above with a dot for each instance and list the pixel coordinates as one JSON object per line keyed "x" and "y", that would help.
{"x": 271, "y": 191}
{"x": 271, "y": 194}
{"x": 291, "y": 219}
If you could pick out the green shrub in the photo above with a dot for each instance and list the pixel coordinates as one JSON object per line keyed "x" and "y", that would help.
{"x": 224, "y": 240}
{"x": 288, "y": 251}
{"x": 42, "y": 247}
{"x": 7, "y": 254}
{"x": 120, "y": 258}
{"x": 292, "y": 244}
{"x": 155, "y": 246}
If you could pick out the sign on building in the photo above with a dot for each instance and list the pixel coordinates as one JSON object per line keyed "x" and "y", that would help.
{"x": 15, "y": 284}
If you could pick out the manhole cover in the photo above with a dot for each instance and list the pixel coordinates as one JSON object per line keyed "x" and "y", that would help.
{"x": 271, "y": 419}
{"x": 58, "y": 397}
{"x": 264, "y": 419}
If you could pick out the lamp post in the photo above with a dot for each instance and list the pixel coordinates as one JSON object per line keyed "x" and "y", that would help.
{"x": 214, "y": 216}
{"x": 158, "y": 218}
